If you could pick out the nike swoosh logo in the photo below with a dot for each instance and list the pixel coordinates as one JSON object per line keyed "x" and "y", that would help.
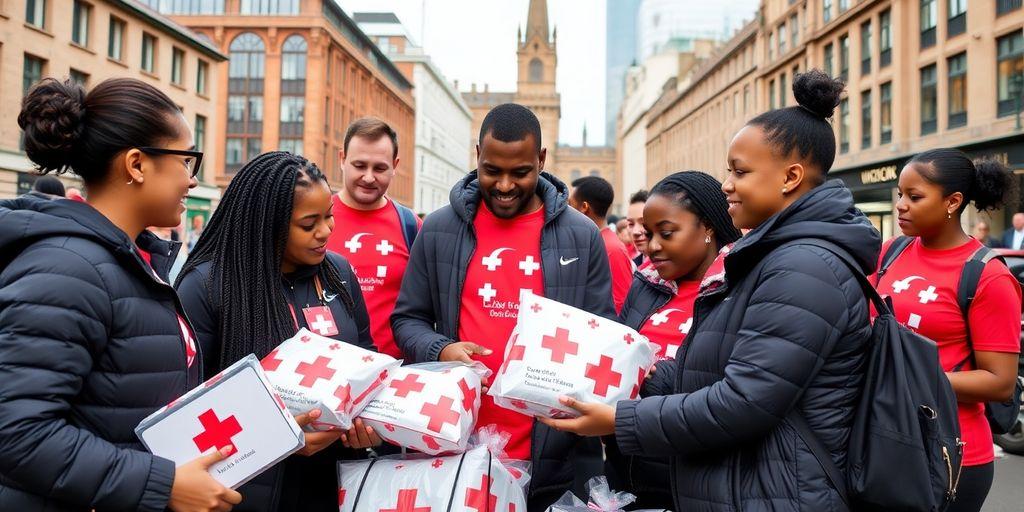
{"x": 329, "y": 298}
{"x": 564, "y": 262}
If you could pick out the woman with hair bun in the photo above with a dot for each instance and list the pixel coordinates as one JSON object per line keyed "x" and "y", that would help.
{"x": 979, "y": 349}
{"x": 687, "y": 223}
{"x": 779, "y": 342}
{"x": 92, "y": 337}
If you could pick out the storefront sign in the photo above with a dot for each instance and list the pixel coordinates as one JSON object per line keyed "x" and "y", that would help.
{"x": 878, "y": 175}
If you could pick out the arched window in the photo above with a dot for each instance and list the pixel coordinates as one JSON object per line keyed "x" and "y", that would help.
{"x": 595, "y": 172}
{"x": 293, "y": 93}
{"x": 536, "y": 70}
{"x": 245, "y": 100}
{"x": 575, "y": 174}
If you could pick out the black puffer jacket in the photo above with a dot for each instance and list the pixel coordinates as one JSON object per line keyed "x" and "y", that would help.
{"x": 89, "y": 346}
{"x": 298, "y": 482}
{"x": 644, "y": 476}
{"x": 426, "y": 315}
{"x": 786, "y": 334}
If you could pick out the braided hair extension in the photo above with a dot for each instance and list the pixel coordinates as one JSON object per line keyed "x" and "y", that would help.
{"x": 245, "y": 241}
{"x": 701, "y": 194}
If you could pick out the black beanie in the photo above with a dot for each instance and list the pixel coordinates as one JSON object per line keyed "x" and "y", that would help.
{"x": 708, "y": 202}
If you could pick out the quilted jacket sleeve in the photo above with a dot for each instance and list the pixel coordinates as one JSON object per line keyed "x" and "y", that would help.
{"x": 54, "y": 313}
{"x": 794, "y": 317}
{"x": 598, "y": 292}
{"x": 414, "y": 317}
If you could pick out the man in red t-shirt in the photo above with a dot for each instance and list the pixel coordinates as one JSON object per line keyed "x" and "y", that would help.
{"x": 373, "y": 232}
{"x": 593, "y": 196}
{"x": 508, "y": 228}
{"x": 635, "y": 220}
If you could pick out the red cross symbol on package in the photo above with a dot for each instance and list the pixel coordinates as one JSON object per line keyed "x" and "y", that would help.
{"x": 216, "y": 433}
{"x": 440, "y": 413}
{"x": 481, "y": 499}
{"x": 603, "y": 376}
{"x": 560, "y": 345}
{"x": 409, "y": 384}
{"x": 311, "y": 372}
{"x": 406, "y": 502}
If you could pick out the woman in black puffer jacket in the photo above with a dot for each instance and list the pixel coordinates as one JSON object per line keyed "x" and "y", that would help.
{"x": 92, "y": 338}
{"x": 782, "y": 339}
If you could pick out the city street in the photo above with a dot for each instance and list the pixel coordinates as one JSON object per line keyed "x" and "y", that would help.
{"x": 1007, "y": 493}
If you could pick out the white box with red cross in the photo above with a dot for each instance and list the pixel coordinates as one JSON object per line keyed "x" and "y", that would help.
{"x": 315, "y": 372}
{"x": 430, "y": 407}
{"x": 558, "y": 350}
{"x": 239, "y": 408}
{"x": 474, "y": 481}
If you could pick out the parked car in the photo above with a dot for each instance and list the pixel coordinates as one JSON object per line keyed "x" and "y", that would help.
{"x": 1013, "y": 442}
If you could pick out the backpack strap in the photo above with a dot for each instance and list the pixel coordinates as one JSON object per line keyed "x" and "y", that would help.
{"x": 409, "y": 223}
{"x": 835, "y": 477}
{"x": 970, "y": 277}
{"x": 898, "y": 245}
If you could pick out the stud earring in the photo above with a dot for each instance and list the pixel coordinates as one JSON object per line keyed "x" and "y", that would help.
{"x": 949, "y": 215}
{"x": 707, "y": 240}
{"x": 785, "y": 189}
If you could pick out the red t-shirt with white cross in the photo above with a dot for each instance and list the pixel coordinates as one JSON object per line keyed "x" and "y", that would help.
{"x": 506, "y": 260}
{"x": 670, "y": 324}
{"x": 373, "y": 243}
{"x": 923, "y": 286}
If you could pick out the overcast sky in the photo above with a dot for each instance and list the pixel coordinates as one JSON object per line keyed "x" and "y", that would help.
{"x": 475, "y": 41}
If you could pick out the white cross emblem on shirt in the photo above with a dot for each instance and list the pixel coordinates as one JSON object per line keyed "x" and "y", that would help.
{"x": 385, "y": 247}
{"x": 928, "y": 295}
{"x": 659, "y": 318}
{"x": 685, "y": 326}
{"x": 487, "y": 292}
{"x": 528, "y": 266}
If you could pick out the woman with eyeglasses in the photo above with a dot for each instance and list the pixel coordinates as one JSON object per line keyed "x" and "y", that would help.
{"x": 92, "y": 337}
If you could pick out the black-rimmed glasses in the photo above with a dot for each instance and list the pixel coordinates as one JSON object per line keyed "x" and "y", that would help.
{"x": 193, "y": 162}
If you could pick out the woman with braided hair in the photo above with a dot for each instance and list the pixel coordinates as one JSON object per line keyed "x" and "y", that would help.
{"x": 687, "y": 222}
{"x": 259, "y": 272}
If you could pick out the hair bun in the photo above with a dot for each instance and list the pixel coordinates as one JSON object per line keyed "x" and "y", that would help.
{"x": 52, "y": 116}
{"x": 994, "y": 185}
{"x": 817, "y": 92}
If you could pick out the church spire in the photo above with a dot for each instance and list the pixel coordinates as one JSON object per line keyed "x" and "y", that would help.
{"x": 537, "y": 20}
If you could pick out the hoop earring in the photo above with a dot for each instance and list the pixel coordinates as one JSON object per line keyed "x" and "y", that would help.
{"x": 131, "y": 181}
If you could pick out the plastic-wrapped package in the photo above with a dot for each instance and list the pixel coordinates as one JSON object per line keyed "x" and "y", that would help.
{"x": 312, "y": 371}
{"x": 558, "y": 350}
{"x": 475, "y": 481}
{"x": 602, "y": 499}
{"x": 429, "y": 407}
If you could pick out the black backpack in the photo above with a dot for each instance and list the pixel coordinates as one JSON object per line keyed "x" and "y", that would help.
{"x": 1002, "y": 416}
{"x": 904, "y": 451}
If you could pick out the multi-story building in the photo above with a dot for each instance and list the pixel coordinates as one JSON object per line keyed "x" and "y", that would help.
{"x": 90, "y": 41}
{"x": 299, "y": 73}
{"x": 536, "y": 89}
{"x": 668, "y": 70}
{"x": 906, "y": 66}
{"x": 620, "y": 55}
{"x": 443, "y": 138}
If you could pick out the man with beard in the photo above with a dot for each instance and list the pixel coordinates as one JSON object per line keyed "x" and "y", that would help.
{"x": 507, "y": 228}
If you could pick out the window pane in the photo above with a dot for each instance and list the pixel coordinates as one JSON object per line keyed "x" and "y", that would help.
{"x": 885, "y": 111}
{"x": 885, "y": 34}
{"x": 35, "y": 13}
{"x": 148, "y": 52}
{"x": 292, "y": 109}
{"x": 929, "y": 14}
{"x": 177, "y": 63}
{"x": 255, "y": 108}
{"x": 253, "y": 146}
{"x": 201, "y": 77}
{"x": 233, "y": 152}
{"x": 115, "y": 44}
{"x": 236, "y": 108}
{"x": 80, "y": 24}
{"x": 865, "y": 119}
{"x": 957, "y": 7}
{"x": 33, "y": 72}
